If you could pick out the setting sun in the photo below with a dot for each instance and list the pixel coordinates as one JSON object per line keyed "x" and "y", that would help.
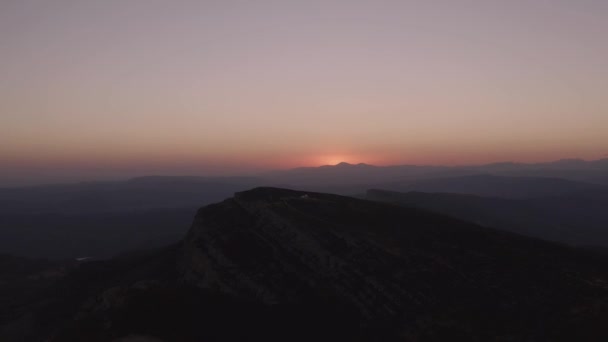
{"x": 334, "y": 159}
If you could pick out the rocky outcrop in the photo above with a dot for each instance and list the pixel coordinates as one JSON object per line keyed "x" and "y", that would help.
{"x": 412, "y": 271}
{"x": 281, "y": 265}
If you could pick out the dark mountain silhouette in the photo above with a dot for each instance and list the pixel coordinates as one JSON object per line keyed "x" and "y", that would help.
{"x": 595, "y": 171}
{"x": 348, "y": 178}
{"x": 576, "y": 218}
{"x": 344, "y": 178}
{"x": 105, "y": 218}
{"x": 498, "y": 186}
{"x": 135, "y": 194}
{"x": 172, "y": 192}
{"x": 287, "y": 265}
{"x": 96, "y": 235}
{"x": 585, "y": 211}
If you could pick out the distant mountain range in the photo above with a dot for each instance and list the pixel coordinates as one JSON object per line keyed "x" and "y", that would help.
{"x": 144, "y": 212}
{"x": 134, "y": 194}
{"x": 347, "y": 178}
{"x": 577, "y": 218}
{"x": 280, "y": 265}
{"x": 498, "y": 186}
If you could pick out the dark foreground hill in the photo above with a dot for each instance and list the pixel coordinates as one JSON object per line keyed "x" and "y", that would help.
{"x": 286, "y": 265}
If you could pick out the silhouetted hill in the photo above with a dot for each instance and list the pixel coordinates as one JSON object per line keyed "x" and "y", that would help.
{"x": 576, "y": 218}
{"x": 23, "y": 286}
{"x": 286, "y": 265}
{"x": 96, "y": 235}
{"x": 103, "y": 219}
{"x": 584, "y": 211}
{"x": 595, "y": 171}
{"x": 135, "y": 194}
{"x": 347, "y": 178}
{"x": 498, "y": 186}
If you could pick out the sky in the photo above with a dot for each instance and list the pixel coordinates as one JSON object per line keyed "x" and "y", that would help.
{"x": 110, "y": 88}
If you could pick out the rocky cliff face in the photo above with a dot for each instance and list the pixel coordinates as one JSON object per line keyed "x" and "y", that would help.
{"x": 414, "y": 272}
{"x": 277, "y": 264}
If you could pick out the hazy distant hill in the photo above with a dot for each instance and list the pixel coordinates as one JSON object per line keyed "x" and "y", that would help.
{"x": 103, "y": 219}
{"x": 595, "y": 171}
{"x": 498, "y": 186}
{"x": 345, "y": 174}
{"x": 347, "y": 178}
{"x": 173, "y": 192}
{"x": 135, "y": 194}
{"x": 37, "y": 221}
{"x": 96, "y": 235}
{"x": 279, "y": 265}
{"x": 583, "y": 211}
{"x": 568, "y": 219}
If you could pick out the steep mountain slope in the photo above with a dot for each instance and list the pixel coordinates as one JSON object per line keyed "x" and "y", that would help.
{"x": 415, "y": 272}
{"x": 281, "y": 264}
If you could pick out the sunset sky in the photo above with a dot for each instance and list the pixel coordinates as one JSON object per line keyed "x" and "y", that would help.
{"x": 109, "y": 88}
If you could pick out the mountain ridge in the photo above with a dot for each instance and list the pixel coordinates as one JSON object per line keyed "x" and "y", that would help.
{"x": 282, "y": 264}
{"x": 290, "y": 244}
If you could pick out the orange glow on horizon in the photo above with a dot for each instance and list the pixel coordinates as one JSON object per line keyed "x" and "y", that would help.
{"x": 336, "y": 159}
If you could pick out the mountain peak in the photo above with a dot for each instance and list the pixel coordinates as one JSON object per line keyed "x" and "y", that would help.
{"x": 345, "y": 164}
{"x": 300, "y": 266}
{"x": 278, "y": 246}
{"x": 267, "y": 194}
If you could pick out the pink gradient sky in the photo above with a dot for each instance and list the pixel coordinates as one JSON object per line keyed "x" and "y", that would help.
{"x": 127, "y": 86}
